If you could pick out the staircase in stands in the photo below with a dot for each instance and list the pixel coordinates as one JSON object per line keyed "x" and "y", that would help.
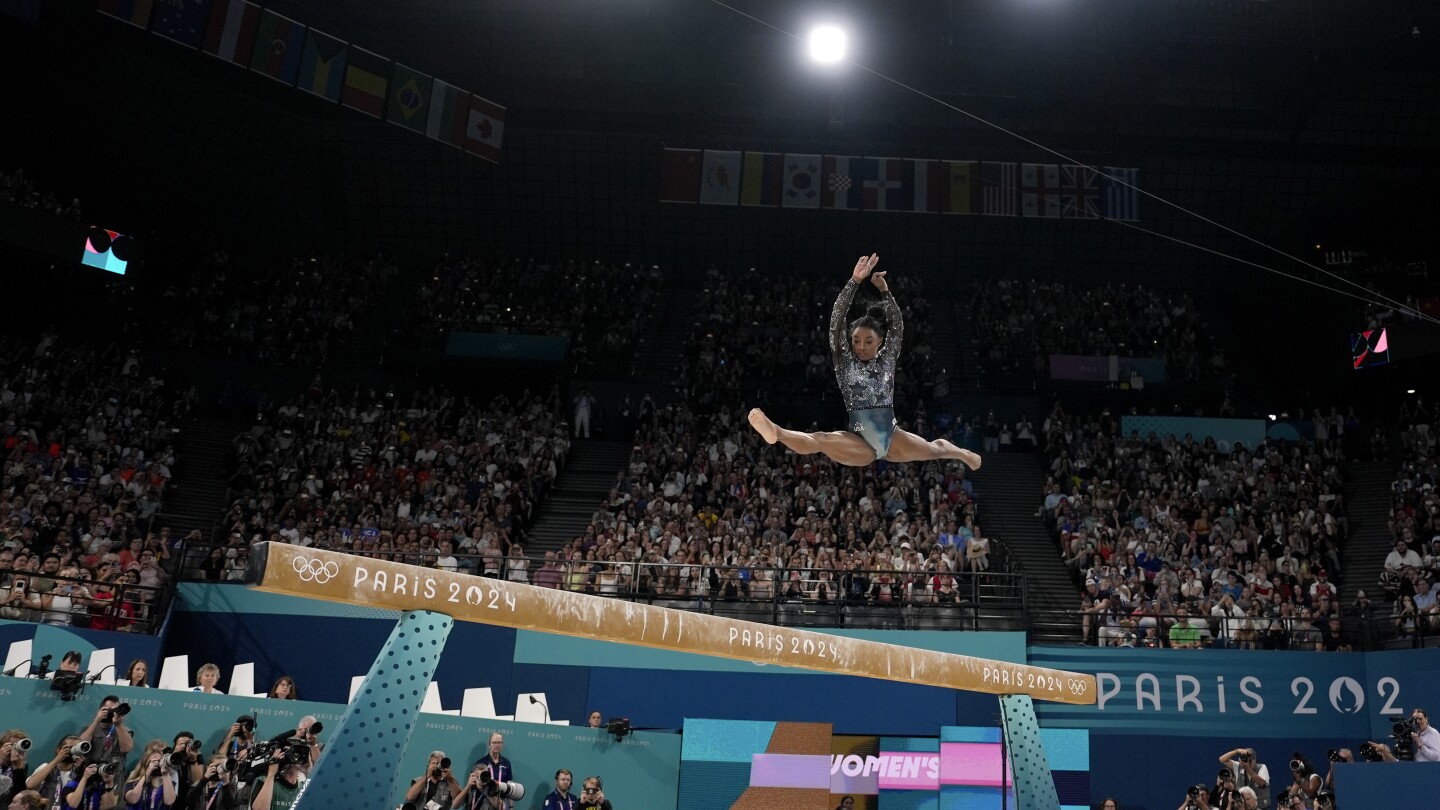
{"x": 197, "y": 499}
{"x": 1009, "y": 488}
{"x": 589, "y": 473}
{"x": 1367, "y": 501}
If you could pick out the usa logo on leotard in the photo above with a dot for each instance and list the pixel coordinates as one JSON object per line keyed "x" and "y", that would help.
{"x": 315, "y": 571}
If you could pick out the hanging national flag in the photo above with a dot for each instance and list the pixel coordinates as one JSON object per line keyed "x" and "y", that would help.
{"x": 1040, "y": 190}
{"x": 764, "y": 176}
{"x": 486, "y": 129}
{"x": 802, "y": 181}
{"x": 1079, "y": 192}
{"x": 449, "y": 113}
{"x": 409, "y": 98}
{"x": 230, "y": 34}
{"x": 997, "y": 189}
{"x": 886, "y": 187}
{"x": 366, "y": 77}
{"x": 322, "y": 67}
{"x": 680, "y": 175}
{"x": 840, "y": 187}
{"x": 720, "y": 178}
{"x": 279, "y": 44}
{"x": 135, "y": 12}
{"x": 182, "y": 21}
{"x": 1122, "y": 200}
{"x": 965, "y": 186}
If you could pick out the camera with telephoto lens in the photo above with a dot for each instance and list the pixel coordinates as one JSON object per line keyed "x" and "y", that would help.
{"x": 1370, "y": 753}
{"x": 113, "y": 712}
{"x": 1334, "y": 755}
{"x": 297, "y": 752}
{"x": 494, "y": 787}
{"x": 246, "y": 723}
{"x": 1195, "y": 791}
{"x": 79, "y": 750}
{"x": 437, "y": 772}
{"x": 108, "y": 769}
{"x": 22, "y": 744}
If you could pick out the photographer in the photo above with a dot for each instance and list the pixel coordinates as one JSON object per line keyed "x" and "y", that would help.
{"x": 218, "y": 791}
{"x": 110, "y": 740}
{"x": 561, "y": 798}
{"x": 592, "y": 797}
{"x": 150, "y": 786}
{"x": 1249, "y": 773}
{"x": 1304, "y": 777}
{"x": 499, "y": 769}
{"x": 239, "y": 739}
{"x": 186, "y": 764}
{"x": 49, "y": 778}
{"x": 13, "y": 767}
{"x": 280, "y": 785}
{"x": 94, "y": 790}
{"x": 436, "y": 787}
{"x": 1427, "y": 739}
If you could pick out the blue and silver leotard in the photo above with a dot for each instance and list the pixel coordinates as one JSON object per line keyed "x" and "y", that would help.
{"x": 868, "y": 388}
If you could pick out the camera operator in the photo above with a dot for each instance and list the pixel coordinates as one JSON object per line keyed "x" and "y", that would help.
{"x": 151, "y": 785}
{"x": 1249, "y": 773}
{"x": 280, "y": 785}
{"x": 1427, "y": 739}
{"x": 49, "y": 778}
{"x": 592, "y": 797}
{"x": 499, "y": 769}
{"x": 308, "y": 729}
{"x": 218, "y": 791}
{"x": 1304, "y": 777}
{"x": 13, "y": 767}
{"x": 186, "y": 764}
{"x": 561, "y": 798}
{"x": 436, "y": 787}
{"x": 110, "y": 740}
{"x": 239, "y": 739}
{"x": 94, "y": 790}
{"x": 1224, "y": 796}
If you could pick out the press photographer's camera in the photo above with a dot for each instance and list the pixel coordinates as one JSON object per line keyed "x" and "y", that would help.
{"x": 1334, "y": 755}
{"x": 437, "y": 772}
{"x": 505, "y": 790}
{"x": 110, "y": 714}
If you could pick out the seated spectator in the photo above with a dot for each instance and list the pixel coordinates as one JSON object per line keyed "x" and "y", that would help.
{"x": 205, "y": 679}
{"x": 284, "y": 689}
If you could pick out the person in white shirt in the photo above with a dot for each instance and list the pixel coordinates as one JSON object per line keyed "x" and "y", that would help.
{"x": 1427, "y": 739}
{"x": 1402, "y": 557}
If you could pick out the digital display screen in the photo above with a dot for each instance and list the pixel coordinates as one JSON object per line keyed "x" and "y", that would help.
{"x": 1369, "y": 349}
{"x": 108, "y": 250}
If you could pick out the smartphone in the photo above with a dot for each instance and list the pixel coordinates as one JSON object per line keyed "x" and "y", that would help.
{"x": 19, "y": 586}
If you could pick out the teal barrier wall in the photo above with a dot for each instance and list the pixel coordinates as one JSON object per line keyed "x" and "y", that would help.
{"x": 642, "y": 771}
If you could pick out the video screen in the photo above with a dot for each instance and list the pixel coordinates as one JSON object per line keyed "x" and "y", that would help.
{"x": 108, "y": 250}
{"x": 1370, "y": 349}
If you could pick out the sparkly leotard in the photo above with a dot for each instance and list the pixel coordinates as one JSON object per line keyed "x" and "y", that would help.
{"x": 868, "y": 388}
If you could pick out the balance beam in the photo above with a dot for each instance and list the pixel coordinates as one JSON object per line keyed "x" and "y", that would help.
{"x": 354, "y": 580}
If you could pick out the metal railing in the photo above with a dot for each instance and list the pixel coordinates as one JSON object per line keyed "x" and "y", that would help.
{"x": 801, "y": 597}
{"x": 81, "y": 602}
{"x": 1154, "y": 630}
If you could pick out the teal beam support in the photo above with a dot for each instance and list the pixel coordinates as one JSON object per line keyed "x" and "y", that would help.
{"x": 1034, "y": 784}
{"x": 358, "y": 766}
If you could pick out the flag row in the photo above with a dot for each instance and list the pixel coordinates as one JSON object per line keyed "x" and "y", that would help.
{"x": 273, "y": 45}
{"x": 1046, "y": 190}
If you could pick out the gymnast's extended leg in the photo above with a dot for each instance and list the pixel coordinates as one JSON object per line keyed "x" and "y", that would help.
{"x": 906, "y": 446}
{"x": 844, "y": 448}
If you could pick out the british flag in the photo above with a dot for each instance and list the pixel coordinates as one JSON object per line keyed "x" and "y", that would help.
{"x": 1079, "y": 192}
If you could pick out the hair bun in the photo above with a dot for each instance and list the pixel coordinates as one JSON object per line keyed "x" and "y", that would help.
{"x": 877, "y": 312}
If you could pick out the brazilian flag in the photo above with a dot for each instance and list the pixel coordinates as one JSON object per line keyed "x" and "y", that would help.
{"x": 409, "y": 102}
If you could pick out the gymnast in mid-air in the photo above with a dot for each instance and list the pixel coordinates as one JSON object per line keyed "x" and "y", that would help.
{"x": 865, "y": 354}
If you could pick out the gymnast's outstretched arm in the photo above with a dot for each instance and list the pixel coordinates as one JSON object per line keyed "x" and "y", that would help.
{"x": 894, "y": 320}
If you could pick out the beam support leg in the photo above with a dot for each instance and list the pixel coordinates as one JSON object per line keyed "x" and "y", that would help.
{"x": 1034, "y": 784}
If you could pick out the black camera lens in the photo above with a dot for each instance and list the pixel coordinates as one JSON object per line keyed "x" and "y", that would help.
{"x": 122, "y": 710}
{"x": 316, "y": 727}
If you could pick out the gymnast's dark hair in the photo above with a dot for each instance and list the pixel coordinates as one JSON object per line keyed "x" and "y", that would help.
{"x": 874, "y": 318}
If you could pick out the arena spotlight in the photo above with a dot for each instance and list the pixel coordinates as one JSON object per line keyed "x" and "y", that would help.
{"x": 827, "y": 44}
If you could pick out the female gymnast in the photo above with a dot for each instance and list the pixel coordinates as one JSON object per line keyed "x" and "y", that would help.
{"x": 865, "y": 355}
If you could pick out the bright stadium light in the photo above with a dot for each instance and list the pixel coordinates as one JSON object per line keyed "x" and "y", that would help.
{"x": 827, "y": 44}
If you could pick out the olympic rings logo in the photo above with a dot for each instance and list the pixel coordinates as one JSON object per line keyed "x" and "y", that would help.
{"x": 315, "y": 571}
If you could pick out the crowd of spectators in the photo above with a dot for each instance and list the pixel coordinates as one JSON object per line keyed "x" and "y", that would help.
{"x": 88, "y": 454}
{"x": 770, "y": 334}
{"x": 602, "y": 308}
{"x": 289, "y": 312}
{"x": 416, "y": 479}
{"x": 1412, "y": 568}
{"x": 1021, "y": 323}
{"x": 1177, "y": 543}
{"x": 17, "y": 189}
{"x": 707, "y": 510}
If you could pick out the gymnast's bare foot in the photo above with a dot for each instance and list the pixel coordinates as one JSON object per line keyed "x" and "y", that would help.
{"x": 966, "y": 457}
{"x": 762, "y": 424}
